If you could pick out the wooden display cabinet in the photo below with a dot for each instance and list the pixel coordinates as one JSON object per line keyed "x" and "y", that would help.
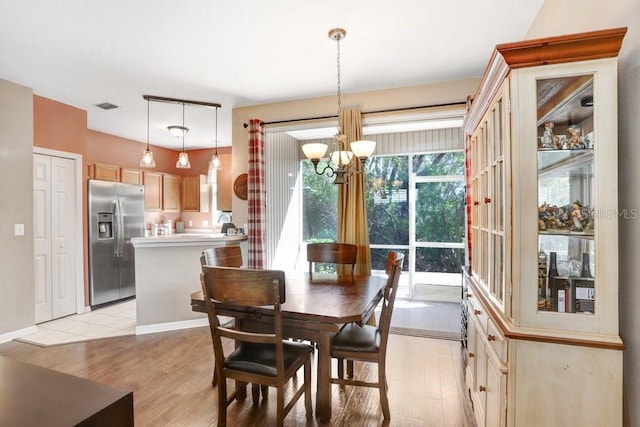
{"x": 543, "y": 343}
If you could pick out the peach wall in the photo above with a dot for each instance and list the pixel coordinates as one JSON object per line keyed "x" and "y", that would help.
{"x": 61, "y": 127}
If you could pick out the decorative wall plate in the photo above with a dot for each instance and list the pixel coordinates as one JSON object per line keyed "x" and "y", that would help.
{"x": 240, "y": 186}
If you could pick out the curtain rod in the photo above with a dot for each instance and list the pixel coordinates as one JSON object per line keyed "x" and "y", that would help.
{"x": 391, "y": 110}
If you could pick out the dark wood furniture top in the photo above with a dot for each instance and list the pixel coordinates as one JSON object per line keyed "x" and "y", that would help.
{"x": 34, "y": 396}
{"x": 315, "y": 309}
{"x": 325, "y": 298}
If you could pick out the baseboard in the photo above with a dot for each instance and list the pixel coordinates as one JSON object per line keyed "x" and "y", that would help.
{"x": 171, "y": 326}
{"x": 424, "y": 333}
{"x": 9, "y": 336}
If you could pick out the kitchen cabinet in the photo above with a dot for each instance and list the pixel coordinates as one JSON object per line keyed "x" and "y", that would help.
{"x": 542, "y": 149}
{"x": 131, "y": 176}
{"x": 196, "y": 194}
{"x": 170, "y": 193}
{"x": 152, "y": 191}
{"x": 104, "y": 172}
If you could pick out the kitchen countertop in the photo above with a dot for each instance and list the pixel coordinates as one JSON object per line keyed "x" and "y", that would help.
{"x": 185, "y": 239}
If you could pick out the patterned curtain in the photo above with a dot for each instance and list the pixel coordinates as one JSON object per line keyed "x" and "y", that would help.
{"x": 353, "y": 224}
{"x": 256, "y": 194}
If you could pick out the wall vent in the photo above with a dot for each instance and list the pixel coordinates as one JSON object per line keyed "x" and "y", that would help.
{"x": 106, "y": 106}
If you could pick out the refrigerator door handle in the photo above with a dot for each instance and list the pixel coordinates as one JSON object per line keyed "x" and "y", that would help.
{"x": 119, "y": 229}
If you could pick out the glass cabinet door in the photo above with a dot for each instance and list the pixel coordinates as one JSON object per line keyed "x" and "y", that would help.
{"x": 566, "y": 177}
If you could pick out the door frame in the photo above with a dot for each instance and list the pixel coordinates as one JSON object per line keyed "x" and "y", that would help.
{"x": 79, "y": 229}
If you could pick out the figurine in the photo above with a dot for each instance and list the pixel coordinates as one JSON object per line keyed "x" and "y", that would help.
{"x": 574, "y": 138}
{"x": 576, "y": 215}
{"x": 547, "y": 136}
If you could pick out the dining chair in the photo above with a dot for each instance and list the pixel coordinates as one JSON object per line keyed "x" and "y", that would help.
{"x": 228, "y": 256}
{"x": 369, "y": 343}
{"x": 259, "y": 358}
{"x": 222, "y": 256}
{"x": 332, "y": 253}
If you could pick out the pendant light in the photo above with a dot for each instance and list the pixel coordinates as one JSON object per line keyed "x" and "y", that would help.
{"x": 183, "y": 158}
{"x": 215, "y": 164}
{"x": 340, "y": 159}
{"x": 147, "y": 158}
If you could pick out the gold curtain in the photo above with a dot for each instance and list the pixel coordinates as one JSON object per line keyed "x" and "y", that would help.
{"x": 353, "y": 224}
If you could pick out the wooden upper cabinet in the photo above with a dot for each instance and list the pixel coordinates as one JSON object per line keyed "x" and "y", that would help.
{"x": 104, "y": 172}
{"x": 152, "y": 190}
{"x": 195, "y": 194}
{"x": 130, "y": 176}
{"x": 170, "y": 193}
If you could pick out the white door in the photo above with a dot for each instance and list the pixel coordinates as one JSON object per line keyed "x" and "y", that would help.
{"x": 54, "y": 242}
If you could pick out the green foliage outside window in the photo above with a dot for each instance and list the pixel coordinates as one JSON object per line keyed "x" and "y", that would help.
{"x": 439, "y": 207}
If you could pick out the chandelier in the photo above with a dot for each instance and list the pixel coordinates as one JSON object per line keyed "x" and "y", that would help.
{"x": 341, "y": 161}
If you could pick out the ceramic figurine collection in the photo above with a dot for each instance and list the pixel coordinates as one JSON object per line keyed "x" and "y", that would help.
{"x": 572, "y": 140}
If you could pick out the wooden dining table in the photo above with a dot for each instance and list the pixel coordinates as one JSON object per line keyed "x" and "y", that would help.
{"x": 314, "y": 310}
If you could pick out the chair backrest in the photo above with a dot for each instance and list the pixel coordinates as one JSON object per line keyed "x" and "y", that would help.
{"x": 335, "y": 253}
{"x": 222, "y": 256}
{"x": 226, "y": 286}
{"x": 394, "y": 268}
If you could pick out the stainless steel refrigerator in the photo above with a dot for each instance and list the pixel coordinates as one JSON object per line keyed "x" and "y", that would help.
{"x": 116, "y": 214}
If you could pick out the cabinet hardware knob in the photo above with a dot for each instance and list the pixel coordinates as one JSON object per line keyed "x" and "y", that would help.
{"x": 487, "y": 199}
{"x": 476, "y": 203}
{"x": 482, "y": 388}
{"x": 491, "y": 337}
{"x": 469, "y": 295}
{"x": 471, "y": 354}
{"x": 476, "y": 312}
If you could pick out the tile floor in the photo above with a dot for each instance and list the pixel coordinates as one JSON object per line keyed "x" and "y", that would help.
{"x": 112, "y": 320}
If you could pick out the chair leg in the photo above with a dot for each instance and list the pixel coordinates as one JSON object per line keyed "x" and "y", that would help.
{"x": 340, "y": 368}
{"x": 350, "y": 368}
{"x": 255, "y": 393}
{"x": 265, "y": 391}
{"x": 307, "y": 389}
{"x": 214, "y": 380}
{"x": 382, "y": 387}
{"x": 222, "y": 403}
{"x": 280, "y": 406}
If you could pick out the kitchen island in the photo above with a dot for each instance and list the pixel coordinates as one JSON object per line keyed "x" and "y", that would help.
{"x": 167, "y": 270}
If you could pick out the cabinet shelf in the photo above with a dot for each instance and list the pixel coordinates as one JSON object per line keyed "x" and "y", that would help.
{"x": 577, "y": 234}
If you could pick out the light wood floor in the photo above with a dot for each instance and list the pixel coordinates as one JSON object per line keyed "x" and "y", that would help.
{"x": 170, "y": 375}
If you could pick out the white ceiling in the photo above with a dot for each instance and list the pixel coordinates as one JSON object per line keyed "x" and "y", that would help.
{"x": 239, "y": 53}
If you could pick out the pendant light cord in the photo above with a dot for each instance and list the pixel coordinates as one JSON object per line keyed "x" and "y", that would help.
{"x": 339, "y": 89}
{"x": 216, "y": 133}
{"x": 183, "y": 132}
{"x": 148, "y": 102}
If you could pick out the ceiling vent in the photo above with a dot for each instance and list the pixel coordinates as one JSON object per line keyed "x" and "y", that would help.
{"x": 106, "y": 106}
